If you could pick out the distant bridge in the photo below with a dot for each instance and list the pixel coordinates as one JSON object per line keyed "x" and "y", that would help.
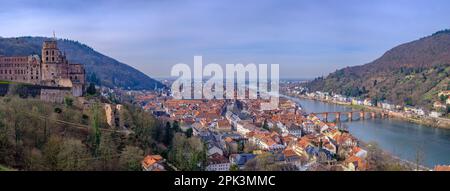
{"x": 351, "y": 115}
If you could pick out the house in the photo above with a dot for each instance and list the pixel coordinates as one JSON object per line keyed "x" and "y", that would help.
{"x": 214, "y": 149}
{"x": 198, "y": 129}
{"x": 419, "y": 111}
{"x": 241, "y": 159}
{"x": 387, "y": 106}
{"x": 307, "y": 127}
{"x": 291, "y": 156}
{"x": 217, "y": 162}
{"x": 435, "y": 114}
{"x": 244, "y": 127}
{"x": 153, "y": 163}
{"x": 359, "y": 152}
{"x": 355, "y": 163}
{"x": 442, "y": 168}
{"x": 444, "y": 93}
{"x": 438, "y": 105}
{"x": 265, "y": 141}
{"x": 223, "y": 126}
{"x": 345, "y": 139}
{"x": 368, "y": 102}
{"x": 282, "y": 127}
{"x": 329, "y": 147}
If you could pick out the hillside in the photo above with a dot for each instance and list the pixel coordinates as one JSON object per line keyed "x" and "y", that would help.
{"x": 110, "y": 72}
{"x": 409, "y": 74}
{"x": 36, "y": 135}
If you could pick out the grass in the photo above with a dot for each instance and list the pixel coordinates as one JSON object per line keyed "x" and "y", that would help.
{"x": 358, "y": 107}
{"x": 5, "y": 82}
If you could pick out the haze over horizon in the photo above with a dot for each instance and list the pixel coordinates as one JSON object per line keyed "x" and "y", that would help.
{"x": 308, "y": 39}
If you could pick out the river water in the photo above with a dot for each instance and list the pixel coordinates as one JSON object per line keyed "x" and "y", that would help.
{"x": 406, "y": 140}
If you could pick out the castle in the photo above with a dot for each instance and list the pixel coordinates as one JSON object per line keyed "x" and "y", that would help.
{"x": 52, "y": 70}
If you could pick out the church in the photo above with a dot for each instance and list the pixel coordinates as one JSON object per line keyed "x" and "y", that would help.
{"x": 51, "y": 70}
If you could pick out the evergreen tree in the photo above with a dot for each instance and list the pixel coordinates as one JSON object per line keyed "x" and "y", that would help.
{"x": 91, "y": 89}
{"x": 265, "y": 125}
{"x": 168, "y": 134}
{"x": 95, "y": 132}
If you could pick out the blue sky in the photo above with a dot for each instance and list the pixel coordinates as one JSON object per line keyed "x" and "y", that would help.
{"x": 307, "y": 38}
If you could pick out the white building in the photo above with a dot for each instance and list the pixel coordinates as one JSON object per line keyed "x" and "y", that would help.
{"x": 217, "y": 162}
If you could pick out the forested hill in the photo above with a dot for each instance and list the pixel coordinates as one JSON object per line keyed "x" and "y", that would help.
{"x": 110, "y": 72}
{"x": 410, "y": 74}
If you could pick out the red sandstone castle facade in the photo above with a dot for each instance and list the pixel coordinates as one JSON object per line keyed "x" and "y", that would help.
{"x": 51, "y": 69}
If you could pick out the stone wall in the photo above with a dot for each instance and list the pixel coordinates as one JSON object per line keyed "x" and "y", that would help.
{"x": 54, "y": 95}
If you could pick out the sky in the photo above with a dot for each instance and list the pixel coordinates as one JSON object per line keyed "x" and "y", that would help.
{"x": 306, "y": 38}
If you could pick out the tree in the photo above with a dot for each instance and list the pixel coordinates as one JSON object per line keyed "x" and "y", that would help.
{"x": 189, "y": 132}
{"x": 68, "y": 101}
{"x": 168, "y": 134}
{"x": 73, "y": 155}
{"x": 263, "y": 162}
{"x": 234, "y": 167}
{"x": 419, "y": 158}
{"x": 130, "y": 158}
{"x": 95, "y": 135}
{"x": 187, "y": 153}
{"x": 94, "y": 79}
{"x": 408, "y": 101}
{"x": 91, "y": 89}
{"x": 106, "y": 158}
{"x": 50, "y": 153}
{"x": 176, "y": 126}
{"x": 6, "y": 147}
{"x": 265, "y": 125}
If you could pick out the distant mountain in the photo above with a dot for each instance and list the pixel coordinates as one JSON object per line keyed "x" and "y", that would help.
{"x": 409, "y": 74}
{"x": 108, "y": 71}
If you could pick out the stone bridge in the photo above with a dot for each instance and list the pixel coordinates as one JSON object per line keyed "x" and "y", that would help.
{"x": 351, "y": 115}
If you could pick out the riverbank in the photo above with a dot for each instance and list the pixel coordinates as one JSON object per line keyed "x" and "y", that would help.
{"x": 381, "y": 160}
{"x": 425, "y": 120}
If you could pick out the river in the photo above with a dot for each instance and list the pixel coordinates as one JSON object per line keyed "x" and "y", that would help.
{"x": 403, "y": 139}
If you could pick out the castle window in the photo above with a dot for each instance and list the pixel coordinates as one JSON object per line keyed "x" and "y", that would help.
{"x": 53, "y": 59}
{"x": 53, "y": 52}
{"x": 46, "y": 52}
{"x": 37, "y": 77}
{"x": 31, "y": 77}
{"x": 46, "y": 58}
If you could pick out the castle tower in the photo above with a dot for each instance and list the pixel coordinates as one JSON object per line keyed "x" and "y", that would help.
{"x": 54, "y": 64}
